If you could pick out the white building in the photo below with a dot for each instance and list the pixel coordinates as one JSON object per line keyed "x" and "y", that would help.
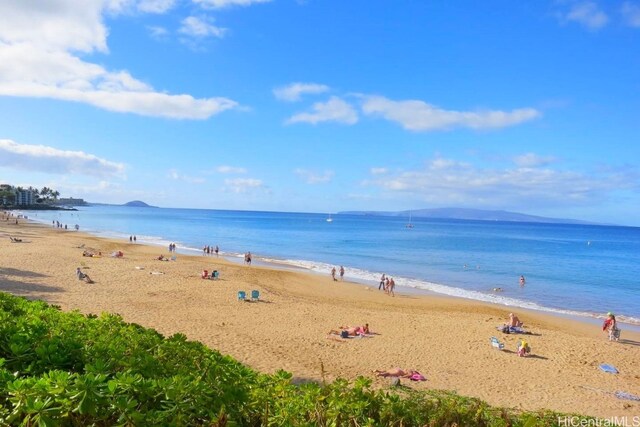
{"x": 24, "y": 197}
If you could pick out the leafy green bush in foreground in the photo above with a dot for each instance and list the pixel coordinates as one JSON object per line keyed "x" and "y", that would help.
{"x": 66, "y": 369}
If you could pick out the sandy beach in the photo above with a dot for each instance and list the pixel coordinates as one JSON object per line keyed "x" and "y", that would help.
{"x": 446, "y": 339}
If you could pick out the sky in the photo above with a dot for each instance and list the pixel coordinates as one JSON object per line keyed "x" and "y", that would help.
{"x": 326, "y": 105}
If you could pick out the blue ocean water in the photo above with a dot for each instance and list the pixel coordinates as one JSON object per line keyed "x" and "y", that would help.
{"x": 584, "y": 270}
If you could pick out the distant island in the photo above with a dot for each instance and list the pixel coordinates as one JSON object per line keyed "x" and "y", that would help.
{"x": 138, "y": 204}
{"x": 470, "y": 214}
{"x": 131, "y": 204}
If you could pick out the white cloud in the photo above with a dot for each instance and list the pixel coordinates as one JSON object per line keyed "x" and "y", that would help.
{"x": 294, "y": 91}
{"x": 378, "y": 171}
{"x": 199, "y": 27}
{"x": 334, "y": 110}
{"x": 311, "y": 177}
{"x": 230, "y": 169}
{"x": 155, "y": 6}
{"x": 177, "y": 176}
{"x": 530, "y": 160}
{"x": 419, "y": 116}
{"x": 444, "y": 182}
{"x": 39, "y": 58}
{"x": 219, "y": 4}
{"x": 588, "y": 14}
{"x": 631, "y": 14}
{"x": 243, "y": 185}
{"x": 40, "y": 158}
{"x": 157, "y": 32}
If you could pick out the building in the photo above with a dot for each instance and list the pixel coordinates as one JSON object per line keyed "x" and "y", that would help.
{"x": 24, "y": 197}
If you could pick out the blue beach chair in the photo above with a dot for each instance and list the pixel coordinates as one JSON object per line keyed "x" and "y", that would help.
{"x": 255, "y": 295}
{"x": 242, "y": 296}
{"x": 497, "y": 344}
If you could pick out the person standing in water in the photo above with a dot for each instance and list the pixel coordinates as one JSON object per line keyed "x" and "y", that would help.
{"x": 522, "y": 280}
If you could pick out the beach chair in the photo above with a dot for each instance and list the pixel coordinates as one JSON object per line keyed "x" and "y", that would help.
{"x": 496, "y": 343}
{"x": 242, "y": 296}
{"x": 255, "y": 295}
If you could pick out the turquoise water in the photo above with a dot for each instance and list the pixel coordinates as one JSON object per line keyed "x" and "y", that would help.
{"x": 582, "y": 270}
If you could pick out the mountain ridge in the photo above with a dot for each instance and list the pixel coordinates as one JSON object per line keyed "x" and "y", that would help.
{"x": 471, "y": 214}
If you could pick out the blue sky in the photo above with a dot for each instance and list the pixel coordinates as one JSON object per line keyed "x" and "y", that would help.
{"x": 326, "y": 105}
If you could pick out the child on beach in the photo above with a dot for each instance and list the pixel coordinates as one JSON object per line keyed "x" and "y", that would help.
{"x": 523, "y": 348}
{"x": 611, "y": 326}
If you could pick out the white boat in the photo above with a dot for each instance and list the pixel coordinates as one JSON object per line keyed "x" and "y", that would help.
{"x": 409, "y": 224}
{"x": 329, "y": 219}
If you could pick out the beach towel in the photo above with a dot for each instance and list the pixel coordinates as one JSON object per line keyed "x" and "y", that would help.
{"x": 626, "y": 396}
{"x": 608, "y": 368}
{"x": 417, "y": 376}
{"x": 512, "y": 330}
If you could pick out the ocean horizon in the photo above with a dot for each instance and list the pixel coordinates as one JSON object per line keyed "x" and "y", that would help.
{"x": 579, "y": 270}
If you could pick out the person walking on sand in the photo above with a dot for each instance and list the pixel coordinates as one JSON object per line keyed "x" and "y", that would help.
{"x": 333, "y": 274}
{"x": 611, "y": 325}
{"x": 382, "y": 282}
{"x": 341, "y": 273}
{"x": 392, "y": 285}
{"x": 216, "y": 250}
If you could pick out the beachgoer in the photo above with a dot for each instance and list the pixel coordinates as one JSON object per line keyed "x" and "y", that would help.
{"x": 395, "y": 372}
{"x": 522, "y": 280}
{"x": 130, "y": 239}
{"x": 83, "y": 276}
{"x": 341, "y": 272}
{"x": 382, "y": 282}
{"x": 248, "y": 259}
{"x": 523, "y": 348}
{"x": 216, "y": 250}
{"x": 333, "y": 274}
{"x": 610, "y": 325}
{"x": 497, "y": 289}
{"x": 514, "y": 321}
{"x": 392, "y": 285}
{"x": 135, "y": 239}
{"x": 352, "y": 331}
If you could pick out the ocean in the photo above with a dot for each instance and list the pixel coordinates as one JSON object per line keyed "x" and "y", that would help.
{"x": 576, "y": 270}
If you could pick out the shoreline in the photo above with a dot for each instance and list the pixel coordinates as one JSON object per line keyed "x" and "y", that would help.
{"x": 445, "y": 338}
{"x": 405, "y": 285}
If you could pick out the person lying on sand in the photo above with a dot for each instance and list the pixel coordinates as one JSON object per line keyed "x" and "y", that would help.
{"x": 352, "y": 331}
{"x": 162, "y": 258}
{"x": 83, "y": 276}
{"x": 395, "y": 372}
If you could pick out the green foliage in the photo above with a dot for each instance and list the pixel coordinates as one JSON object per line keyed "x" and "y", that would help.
{"x": 67, "y": 369}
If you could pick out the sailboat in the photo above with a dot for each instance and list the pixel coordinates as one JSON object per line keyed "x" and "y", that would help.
{"x": 409, "y": 224}
{"x": 329, "y": 219}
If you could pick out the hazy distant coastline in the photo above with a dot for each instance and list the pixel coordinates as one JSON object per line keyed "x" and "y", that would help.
{"x": 471, "y": 214}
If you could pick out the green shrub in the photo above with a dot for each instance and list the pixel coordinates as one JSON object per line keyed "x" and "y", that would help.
{"x": 67, "y": 369}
